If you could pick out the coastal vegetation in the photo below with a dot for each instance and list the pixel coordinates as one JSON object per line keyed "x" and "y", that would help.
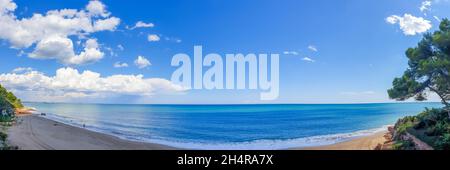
{"x": 6, "y": 110}
{"x": 3, "y": 144}
{"x": 10, "y": 97}
{"x": 432, "y": 126}
{"x": 428, "y": 72}
{"x": 8, "y": 104}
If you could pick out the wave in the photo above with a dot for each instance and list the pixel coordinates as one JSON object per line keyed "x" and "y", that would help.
{"x": 271, "y": 144}
{"x": 262, "y": 144}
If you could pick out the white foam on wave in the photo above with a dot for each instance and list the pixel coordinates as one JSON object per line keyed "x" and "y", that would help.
{"x": 271, "y": 144}
{"x": 263, "y": 144}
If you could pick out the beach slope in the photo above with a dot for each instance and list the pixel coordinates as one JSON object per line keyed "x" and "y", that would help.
{"x": 363, "y": 143}
{"x": 36, "y": 133}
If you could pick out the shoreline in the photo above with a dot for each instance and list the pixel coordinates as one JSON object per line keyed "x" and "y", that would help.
{"x": 369, "y": 142}
{"x": 32, "y": 132}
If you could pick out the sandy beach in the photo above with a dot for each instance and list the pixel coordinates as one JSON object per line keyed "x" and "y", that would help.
{"x": 32, "y": 132}
{"x": 363, "y": 143}
{"x": 35, "y": 133}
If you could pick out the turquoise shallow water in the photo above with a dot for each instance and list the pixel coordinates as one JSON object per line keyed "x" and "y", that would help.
{"x": 233, "y": 126}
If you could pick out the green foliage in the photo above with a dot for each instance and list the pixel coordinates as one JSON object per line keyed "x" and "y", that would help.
{"x": 5, "y": 106}
{"x": 443, "y": 143}
{"x": 435, "y": 122}
{"x": 10, "y": 97}
{"x": 439, "y": 129}
{"x": 403, "y": 145}
{"x": 432, "y": 126}
{"x": 6, "y": 118}
{"x": 428, "y": 71}
{"x": 3, "y": 136}
{"x": 429, "y": 68}
{"x": 432, "y": 116}
{"x": 3, "y": 144}
{"x": 404, "y": 124}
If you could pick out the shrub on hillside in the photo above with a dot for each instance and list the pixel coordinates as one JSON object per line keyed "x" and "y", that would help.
{"x": 431, "y": 116}
{"x": 443, "y": 142}
{"x": 10, "y": 97}
{"x": 403, "y": 124}
{"x": 404, "y": 145}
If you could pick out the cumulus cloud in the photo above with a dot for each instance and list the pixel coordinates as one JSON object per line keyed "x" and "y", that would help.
{"x": 141, "y": 62}
{"x": 54, "y": 47}
{"x": 90, "y": 54}
{"x": 56, "y": 28}
{"x": 308, "y": 59}
{"x": 153, "y": 38}
{"x": 120, "y": 65}
{"x": 61, "y": 48}
{"x": 106, "y": 24}
{"x": 409, "y": 24}
{"x": 69, "y": 82}
{"x": 97, "y": 8}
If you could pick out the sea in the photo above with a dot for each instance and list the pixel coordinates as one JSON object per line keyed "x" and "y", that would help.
{"x": 233, "y": 127}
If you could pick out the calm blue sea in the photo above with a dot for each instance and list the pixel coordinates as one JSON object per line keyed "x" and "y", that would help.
{"x": 233, "y": 126}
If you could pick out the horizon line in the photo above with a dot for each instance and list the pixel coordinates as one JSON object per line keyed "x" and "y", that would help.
{"x": 219, "y": 104}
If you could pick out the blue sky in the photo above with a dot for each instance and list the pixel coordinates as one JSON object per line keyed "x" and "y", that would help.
{"x": 346, "y": 51}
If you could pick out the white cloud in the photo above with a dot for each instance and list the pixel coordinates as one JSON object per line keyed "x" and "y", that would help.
{"x": 120, "y": 65}
{"x": 308, "y": 59}
{"x": 69, "y": 82}
{"x": 153, "y": 38}
{"x": 108, "y": 24}
{"x": 120, "y": 47}
{"x": 437, "y": 18}
{"x": 61, "y": 48}
{"x": 312, "y": 48}
{"x": 21, "y": 53}
{"x": 90, "y": 54}
{"x": 54, "y": 47}
{"x": 97, "y": 8}
{"x": 141, "y": 62}
{"x": 55, "y": 27}
{"x": 7, "y": 6}
{"x": 111, "y": 51}
{"x": 22, "y": 69}
{"x": 410, "y": 25}
{"x": 393, "y": 19}
{"x": 173, "y": 39}
{"x": 425, "y": 6}
{"x": 291, "y": 53}
{"x": 141, "y": 24}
